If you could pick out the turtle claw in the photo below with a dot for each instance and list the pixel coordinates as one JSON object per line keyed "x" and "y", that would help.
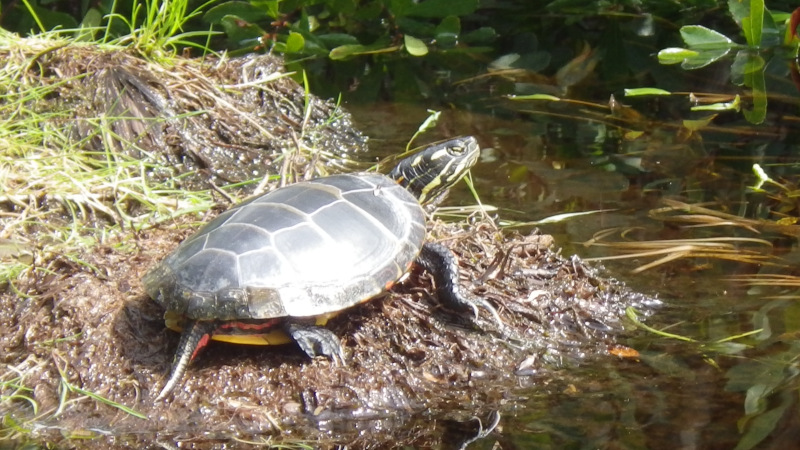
{"x": 317, "y": 341}
{"x": 195, "y": 336}
{"x": 440, "y": 262}
{"x": 476, "y": 302}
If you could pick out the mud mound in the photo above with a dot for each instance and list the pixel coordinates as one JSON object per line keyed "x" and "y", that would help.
{"x": 406, "y": 354}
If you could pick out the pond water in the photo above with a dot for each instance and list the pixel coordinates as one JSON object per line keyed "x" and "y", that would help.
{"x": 728, "y": 376}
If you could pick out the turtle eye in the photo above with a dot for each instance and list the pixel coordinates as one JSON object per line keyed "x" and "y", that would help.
{"x": 458, "y": 149}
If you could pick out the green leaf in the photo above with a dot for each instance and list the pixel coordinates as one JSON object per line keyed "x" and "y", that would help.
{"x": 745, "y": 63}
{"x": 761, "y": 426}
{"x": 753, "y": 24}
{"x": 739, "y": 9}
{"x": 447, "y": 31}
{"x": 53, "y": 19}
{"x": 755, "y": 401}
{"x": 449, "y": 25}
{"x": 271, "y": 8}
{"x": 771, "y": 32}
{"x": 333, "y": 40}
{"x": 645, "y": 91}
{"x": 415, "y": 27}
{"x": 428, "y": 124}
{"x": 414, "y": 46}
{"x": 695, "y": 58}
{"x": 443, "y": 8}
{"x": 700, "y": 37}
{"x": 307, "y": 23}
{"x": 675, "y": 55}
{"x": 698, "y": 124}
{"x": 242, "y": 10}
{"x": 430, "y": 121}
{"x": 93, "y": 18}
{"x": 727, "y": 348}
{"x": 295, "y": 43}
{"x": 757, "y": 10}
{"x": 770, "y": 373}
{"x": 400, "y": 8}
{"x": 239, "y": 30}
{"x": 346, "y": 51}
{"x": 89, "y": 24}
{"x": 704, "y": 58}
{"x": 534, "y": 61}
{"x": 504, "y": 62}
{"x": 754, "y": 79}
{"x": 482, "y": 35}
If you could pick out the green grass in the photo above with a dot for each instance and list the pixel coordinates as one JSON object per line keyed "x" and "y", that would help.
{"x": 62, "y": 192}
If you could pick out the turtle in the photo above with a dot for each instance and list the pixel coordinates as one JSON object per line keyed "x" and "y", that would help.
{"x": 275, "y": 268}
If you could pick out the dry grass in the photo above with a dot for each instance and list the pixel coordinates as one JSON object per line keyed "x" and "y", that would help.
{"x": 748, "y": 250}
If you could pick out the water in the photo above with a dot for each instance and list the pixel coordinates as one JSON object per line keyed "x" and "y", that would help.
{"x": 728, "y": 376}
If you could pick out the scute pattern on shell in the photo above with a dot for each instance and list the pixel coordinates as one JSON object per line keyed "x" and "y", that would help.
{"x": 303, "y": 250}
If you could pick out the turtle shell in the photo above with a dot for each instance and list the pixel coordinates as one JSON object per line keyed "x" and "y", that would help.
{"x": 308, "y": 249}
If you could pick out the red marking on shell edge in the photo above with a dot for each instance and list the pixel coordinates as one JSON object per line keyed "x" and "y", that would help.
{"x": 200, "y": 344}
{"x": 248, "y": 326}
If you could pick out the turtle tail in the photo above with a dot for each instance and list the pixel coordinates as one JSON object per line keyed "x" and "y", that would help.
{"x": 194, "y": 338}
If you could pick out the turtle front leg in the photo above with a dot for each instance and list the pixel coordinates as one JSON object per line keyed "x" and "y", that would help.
{"x": 316, "y": 341}
{"x": 194, "y": 338}
{"x": 440, "y": 262}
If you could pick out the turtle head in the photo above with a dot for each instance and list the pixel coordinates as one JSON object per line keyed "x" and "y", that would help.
{"x": 430, "y": 173}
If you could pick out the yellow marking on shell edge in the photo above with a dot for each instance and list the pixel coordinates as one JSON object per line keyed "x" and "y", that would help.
{"x": 323, "y": 319}
{"x": 275, "y": 336}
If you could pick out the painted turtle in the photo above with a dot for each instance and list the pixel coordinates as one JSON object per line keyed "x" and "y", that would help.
{"x": 276, "y": 267}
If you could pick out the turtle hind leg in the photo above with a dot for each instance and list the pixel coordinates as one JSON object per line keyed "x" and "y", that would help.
{"x": 316, "y": 341}
{"x": 194, "y": 338}
{"x": 440, "y": 262}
